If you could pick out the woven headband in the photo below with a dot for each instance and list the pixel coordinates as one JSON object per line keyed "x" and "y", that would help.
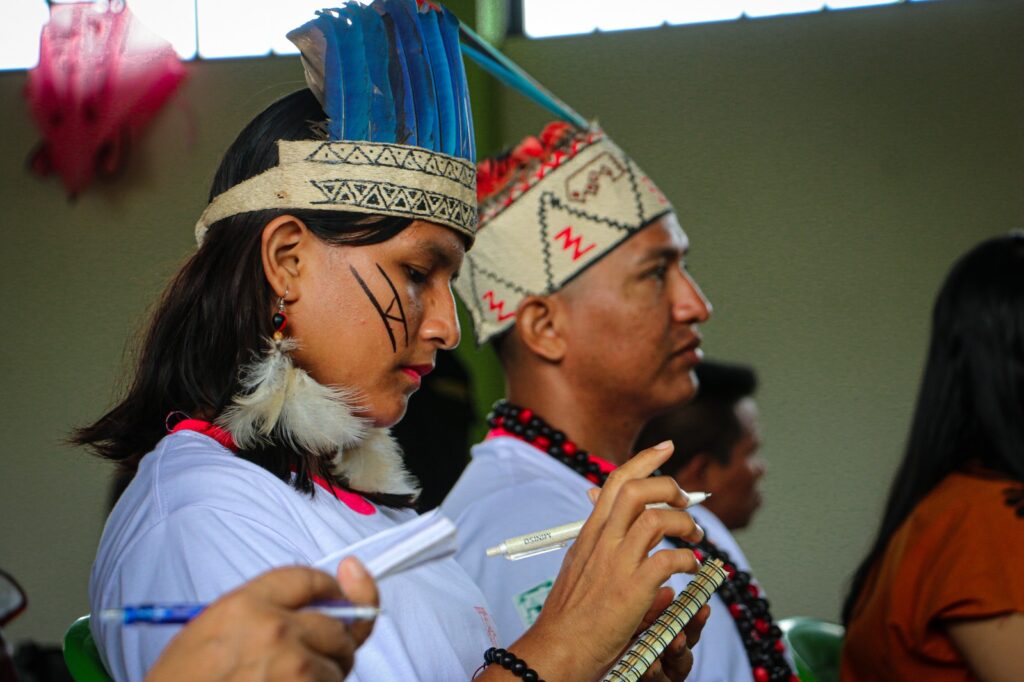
{"x": 363, "y": 177}
{"x": 564, "y": 214}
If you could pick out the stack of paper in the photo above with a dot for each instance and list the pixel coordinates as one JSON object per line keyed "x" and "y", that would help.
{"x": 426, "y": 538}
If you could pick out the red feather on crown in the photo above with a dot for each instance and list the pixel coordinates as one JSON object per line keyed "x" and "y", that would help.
{"x": 494, "y": 174}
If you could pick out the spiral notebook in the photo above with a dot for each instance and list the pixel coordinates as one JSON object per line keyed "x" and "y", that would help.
{"x": 652, "y": 641}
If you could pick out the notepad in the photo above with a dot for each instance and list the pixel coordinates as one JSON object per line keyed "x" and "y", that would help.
{"x": 652, "y": 642}
{"x": 426, "y": 538}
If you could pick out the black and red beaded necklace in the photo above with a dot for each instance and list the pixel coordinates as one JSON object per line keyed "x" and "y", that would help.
{"x": 761, "y": 637}
{"x": 522, "y": 423}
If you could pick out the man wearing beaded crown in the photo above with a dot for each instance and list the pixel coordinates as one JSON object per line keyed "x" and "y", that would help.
{"x": 578, "y": 279}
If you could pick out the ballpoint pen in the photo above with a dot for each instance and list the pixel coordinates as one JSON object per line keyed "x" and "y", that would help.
{"x": 175, "y": 614}
{"x": 532, "y": 544}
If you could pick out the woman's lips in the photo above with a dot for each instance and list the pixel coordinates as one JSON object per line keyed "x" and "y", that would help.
{"x": 417, "y": 372}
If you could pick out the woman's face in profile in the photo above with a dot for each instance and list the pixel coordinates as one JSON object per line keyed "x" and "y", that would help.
{"x": 371, "y": 318}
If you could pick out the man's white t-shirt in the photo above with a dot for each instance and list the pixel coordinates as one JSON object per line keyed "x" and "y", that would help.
{"x": 511, "y": 488}
{"x": 197, "y": 521}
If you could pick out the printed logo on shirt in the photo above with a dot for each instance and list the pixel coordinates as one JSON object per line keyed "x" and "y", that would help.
{"x": 530, "y": 602}
{"x": 485, "y": 618}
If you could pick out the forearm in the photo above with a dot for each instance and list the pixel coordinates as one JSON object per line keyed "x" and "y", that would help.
{"x": 553, "y": 655}
{"x": 991, "y": 646}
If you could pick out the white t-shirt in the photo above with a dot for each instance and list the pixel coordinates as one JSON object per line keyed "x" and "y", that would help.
{"x": 197, "y": 521}
{"x": 511, "y": 488}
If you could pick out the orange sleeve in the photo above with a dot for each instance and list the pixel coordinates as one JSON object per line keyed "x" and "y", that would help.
{"x": 978, "y": 559}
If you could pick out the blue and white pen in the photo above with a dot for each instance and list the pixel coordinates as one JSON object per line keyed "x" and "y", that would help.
{"x": 176, "y": 614}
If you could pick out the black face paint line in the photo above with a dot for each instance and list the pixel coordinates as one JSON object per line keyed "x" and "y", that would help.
{"x": 387, "y": 315}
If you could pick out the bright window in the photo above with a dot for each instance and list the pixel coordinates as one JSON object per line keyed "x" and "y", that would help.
{"x": 223, "y": 28}
{"x": 215, "y": 29}
{"x": 175, "y": 20}
{"x": 546, "y": 18}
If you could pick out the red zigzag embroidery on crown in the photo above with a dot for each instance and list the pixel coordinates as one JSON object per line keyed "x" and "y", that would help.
{"x": 574, "y": 241}
{"x": 499, "y": 306}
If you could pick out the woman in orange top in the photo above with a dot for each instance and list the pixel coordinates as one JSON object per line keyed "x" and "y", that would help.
{"x": 941, "y": 594}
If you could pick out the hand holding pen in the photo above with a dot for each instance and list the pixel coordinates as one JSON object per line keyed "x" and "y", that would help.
{"x": 550, "y": 539}
{"x": 609, "y": 578}
{"x": 261, "y": 627}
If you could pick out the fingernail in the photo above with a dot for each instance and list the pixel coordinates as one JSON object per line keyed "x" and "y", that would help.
{"x": 592, "y": 495}
{"x": 353, "y": 568}
{"x": 663, "y": 445}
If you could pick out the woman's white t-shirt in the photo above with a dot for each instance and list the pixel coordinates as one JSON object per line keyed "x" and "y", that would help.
{"x": 197, "y": 521}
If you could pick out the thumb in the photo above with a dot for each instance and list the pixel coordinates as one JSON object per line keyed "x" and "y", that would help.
{"x": 360, "y": 588}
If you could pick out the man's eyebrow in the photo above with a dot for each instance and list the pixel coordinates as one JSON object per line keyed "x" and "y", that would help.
{"x": 664, "y": 253}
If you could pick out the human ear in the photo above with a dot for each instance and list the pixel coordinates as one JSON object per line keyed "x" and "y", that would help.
{"x": 696, "y": 472}
{"x": 284, "y": 240}
{"x": 539, "y": 326}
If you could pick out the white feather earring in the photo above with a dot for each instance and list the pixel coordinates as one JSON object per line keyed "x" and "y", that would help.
{"x": 283, "y": 403}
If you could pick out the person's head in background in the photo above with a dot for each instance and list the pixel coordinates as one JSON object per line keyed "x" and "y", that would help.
{"x": 717, "y": 442}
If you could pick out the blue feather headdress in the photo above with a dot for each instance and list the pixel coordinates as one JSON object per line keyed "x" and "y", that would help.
{"x": 389, "y": 75}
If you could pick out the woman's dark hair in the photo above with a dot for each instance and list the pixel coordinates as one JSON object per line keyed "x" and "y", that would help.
{"x": 971, "y": 401}
{"x": 214, "y": 316}
{"x": 708, "y": 423}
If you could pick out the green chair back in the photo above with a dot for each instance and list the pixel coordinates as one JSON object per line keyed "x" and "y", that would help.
{"x": 81, "y": 655}
{"x": 816, "y": 646}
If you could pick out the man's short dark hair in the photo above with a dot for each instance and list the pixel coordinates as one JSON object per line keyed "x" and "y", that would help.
{"x": 708, "y": 423}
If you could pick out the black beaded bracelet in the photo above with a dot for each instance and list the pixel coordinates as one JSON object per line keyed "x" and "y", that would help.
{"x": 512, "y": 663}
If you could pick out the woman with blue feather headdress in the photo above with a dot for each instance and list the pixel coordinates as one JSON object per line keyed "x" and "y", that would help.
{"x": 257, "y": 419}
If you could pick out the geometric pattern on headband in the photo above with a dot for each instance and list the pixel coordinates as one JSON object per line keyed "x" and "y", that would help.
{"x": 387, "y": 198}
{"x": 490, "y": 289}
{"x": 553, "y": 211}
{"x": 390, "y": 156}
{"x": 362, "y": 177}
{"x": 560, "y": 217}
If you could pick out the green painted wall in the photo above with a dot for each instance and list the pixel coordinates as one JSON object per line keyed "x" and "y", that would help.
{"x": 828, "y": 169}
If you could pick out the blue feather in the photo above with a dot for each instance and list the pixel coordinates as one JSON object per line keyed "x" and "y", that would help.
{"x": 376, "y": 56}
{"x": 511, "y": 74}
{"x": 450, "y": 32}
{"x": 401, "y": 88}
{"x": 447, "y": 123}
{"x": 392, "y": 71}
{"x": 357, "y": 85}
{"x": 334, "y": 100}
{"x": 418, "y": 63}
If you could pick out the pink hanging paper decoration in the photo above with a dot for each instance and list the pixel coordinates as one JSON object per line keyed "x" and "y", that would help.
{"x": 101, "y": 77}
